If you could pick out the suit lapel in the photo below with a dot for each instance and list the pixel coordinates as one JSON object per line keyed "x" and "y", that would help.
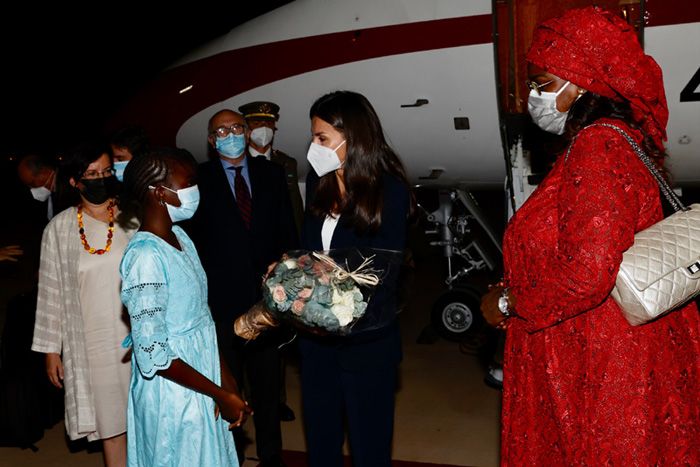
{"x": 223, "y": 194}
{"x": 221, "y": 183}
{"x": 257, "y": 190}
{"x": 274, "y": 157}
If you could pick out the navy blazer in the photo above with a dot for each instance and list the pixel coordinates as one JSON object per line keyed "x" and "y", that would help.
{"x": 372, "y": 349}
{"x": 391, "y": 234}
{"x": 234, "y": 257}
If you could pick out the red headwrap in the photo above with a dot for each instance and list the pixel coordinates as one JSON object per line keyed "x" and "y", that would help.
{"x": 599, "y": 52}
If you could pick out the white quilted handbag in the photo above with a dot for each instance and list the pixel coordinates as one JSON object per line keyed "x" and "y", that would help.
{"x": 661, "y": 270}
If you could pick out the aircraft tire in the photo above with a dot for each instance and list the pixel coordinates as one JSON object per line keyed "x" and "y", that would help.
{"x": 456, "y": 315}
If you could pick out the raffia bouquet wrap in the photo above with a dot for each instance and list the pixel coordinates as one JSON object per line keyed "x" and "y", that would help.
{"x": 325, "y": 292}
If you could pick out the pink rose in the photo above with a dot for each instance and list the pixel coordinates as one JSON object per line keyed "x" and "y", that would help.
{"x": 305, "y": 293}
{"x": 279, "y": 295}
{"x": 298, "y": 307}
{"x": 321, "y": 268}
{"x": 323, "y": 279}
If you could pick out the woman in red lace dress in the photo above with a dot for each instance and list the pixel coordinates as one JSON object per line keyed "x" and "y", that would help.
{"x": 582, "y": 386}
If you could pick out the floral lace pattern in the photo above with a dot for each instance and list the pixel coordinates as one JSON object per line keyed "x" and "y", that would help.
{"x": 581, "y": 386}
{"x": 147, "y": 302}
{"x": 598, "y": 51}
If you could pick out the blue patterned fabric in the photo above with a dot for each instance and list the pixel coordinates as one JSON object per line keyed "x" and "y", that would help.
{"x": 165, "y": 291}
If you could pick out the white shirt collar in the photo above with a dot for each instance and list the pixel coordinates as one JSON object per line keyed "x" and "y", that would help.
{"x": 255, "y": 153}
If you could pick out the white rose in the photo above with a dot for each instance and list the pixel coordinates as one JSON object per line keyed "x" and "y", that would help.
{"x": 343, "y": 306}
{"x": 290, "y": 263}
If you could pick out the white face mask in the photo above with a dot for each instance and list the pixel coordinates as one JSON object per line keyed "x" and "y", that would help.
{"x": 324, "y": 160}
{"x": 189, "y": 201}
{"x": 40, "y": 193}
{"x": 543, "y": 110}
{"x": 262, "y": 136}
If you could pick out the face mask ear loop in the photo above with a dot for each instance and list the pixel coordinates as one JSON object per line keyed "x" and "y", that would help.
{"x": 160, "y": 199}
{"x": 174, "y": 191}
{"x": 342, "y": 163}
{"x": 562, "y": 89}
{"x": 49, "y": 181}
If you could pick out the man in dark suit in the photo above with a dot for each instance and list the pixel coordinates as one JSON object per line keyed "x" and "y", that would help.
{"x": 244, "y": 222}
{"x": 34, "y": 202}
{"x": 30, "y": 188}
{"x": 261, "y": 117}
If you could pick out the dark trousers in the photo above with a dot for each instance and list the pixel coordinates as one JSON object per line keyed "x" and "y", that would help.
{"x": 364, "y": 398}
{"x": 259, "y": 361}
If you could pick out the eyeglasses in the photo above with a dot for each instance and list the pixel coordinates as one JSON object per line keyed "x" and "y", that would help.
{"x": 224, "y": 131}
{"x": 537, "y": 87}
{"x": 91, "y": 174}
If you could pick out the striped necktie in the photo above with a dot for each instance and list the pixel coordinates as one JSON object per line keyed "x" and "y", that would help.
{"x": 242, "y": 196}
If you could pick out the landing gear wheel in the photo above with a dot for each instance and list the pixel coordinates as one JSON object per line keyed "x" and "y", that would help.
{"x": 456, "y": 315}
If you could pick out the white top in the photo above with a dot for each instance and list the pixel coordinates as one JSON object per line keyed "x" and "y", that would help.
{"x": 105, "y": 327}
{"x": 327, "y": 231}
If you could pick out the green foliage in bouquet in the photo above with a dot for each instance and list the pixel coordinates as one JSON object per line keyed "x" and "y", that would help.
{"x": 310, "y": 290}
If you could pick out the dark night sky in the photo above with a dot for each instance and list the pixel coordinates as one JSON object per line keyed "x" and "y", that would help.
{"x": 63, "y": 76}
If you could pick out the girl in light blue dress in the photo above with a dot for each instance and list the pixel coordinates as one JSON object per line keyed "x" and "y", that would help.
{"x": 183, "y": 400}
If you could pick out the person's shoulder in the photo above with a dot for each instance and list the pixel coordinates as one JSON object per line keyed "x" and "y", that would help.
{"x": 143, "y": 243}
{"x": 70, "y": 211}
{"x": 283, "y": 156}
{"x": 603, "y": 141}
{"x": 145, "y": 260}
{"x": 393, "y": 184}
{"x": 62, "y": 218}
{"x": 312, "y": 179}
{"x": 395, "y": 192}
{"x": 312, "y": 176}
{"x": 143, "y": 247}
{"x": 208, "y": 166}
{"x": 264, "y": 166}
{"x": 208, "y": 174}
{"x": 609, "y": 130}
{"x": 62, "y": 223}
{"x": 259, "y": 161}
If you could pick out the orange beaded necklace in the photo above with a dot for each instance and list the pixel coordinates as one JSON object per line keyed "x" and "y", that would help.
{"x": 110, "y": 231}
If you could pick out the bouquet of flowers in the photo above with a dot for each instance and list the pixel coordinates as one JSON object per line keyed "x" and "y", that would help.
{"x": 324, "y": 293}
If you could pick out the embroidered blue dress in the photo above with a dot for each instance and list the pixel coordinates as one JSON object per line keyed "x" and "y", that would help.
{"x": 165, "y": 291}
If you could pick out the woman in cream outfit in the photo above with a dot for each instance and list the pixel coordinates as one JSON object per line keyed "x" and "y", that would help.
{"x": 80, "y": 322}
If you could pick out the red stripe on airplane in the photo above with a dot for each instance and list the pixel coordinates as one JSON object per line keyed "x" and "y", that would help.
{"x": 671, "y": 12}
{"x": 227, "y": 74}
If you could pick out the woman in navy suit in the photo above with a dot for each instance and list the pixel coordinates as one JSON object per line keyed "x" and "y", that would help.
{"x": 357, "y": 196}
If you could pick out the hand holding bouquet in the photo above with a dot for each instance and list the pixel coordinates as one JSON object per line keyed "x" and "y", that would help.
{"x": 321, "y": 293}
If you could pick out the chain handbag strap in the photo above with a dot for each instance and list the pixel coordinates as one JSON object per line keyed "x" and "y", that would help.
{"x": 668, "y": 193}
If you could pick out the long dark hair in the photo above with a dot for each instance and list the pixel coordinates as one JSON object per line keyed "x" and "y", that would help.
{"x": 591, "y": 107}
{"x": 368, "y": 158}
{"x": 150, "y": 169}
{"x": 74, "y": 165}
